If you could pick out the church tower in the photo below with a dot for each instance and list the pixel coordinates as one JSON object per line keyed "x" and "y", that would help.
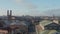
{"x": 9, "y": 14}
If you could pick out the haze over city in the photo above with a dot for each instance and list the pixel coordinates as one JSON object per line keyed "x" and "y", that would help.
{"x": 30, "y": 7}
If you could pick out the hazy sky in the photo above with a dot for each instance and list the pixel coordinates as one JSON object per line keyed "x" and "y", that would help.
{"x": 29, "y": 7}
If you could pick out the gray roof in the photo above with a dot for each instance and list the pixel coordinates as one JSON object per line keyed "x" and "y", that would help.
{"x": 21, "y": 23}
{"x": 24, "y": 23}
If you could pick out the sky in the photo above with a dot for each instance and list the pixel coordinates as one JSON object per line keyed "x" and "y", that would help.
{"x": 30, "y": 7}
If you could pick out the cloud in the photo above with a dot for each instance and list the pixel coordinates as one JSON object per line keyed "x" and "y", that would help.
{"x": 49, "y": 12}
{"x": 36, "y": 13}
{"x": 52, "y": 12}
{"x": 29, "y": 7}
{"x": 25, "y": 3}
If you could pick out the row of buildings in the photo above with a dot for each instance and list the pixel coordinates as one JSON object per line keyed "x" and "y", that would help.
{"x": 25, "y": 25}
{"x": 17, "y": 25}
